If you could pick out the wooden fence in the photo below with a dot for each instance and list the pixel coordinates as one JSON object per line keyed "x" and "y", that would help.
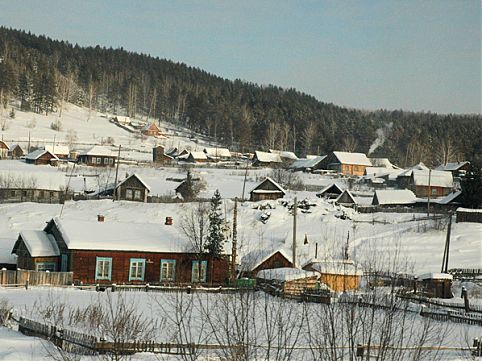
{"x": 34, "y": 278}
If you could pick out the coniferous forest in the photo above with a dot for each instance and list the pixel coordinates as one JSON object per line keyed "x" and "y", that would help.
{"x": 42, "y": 74}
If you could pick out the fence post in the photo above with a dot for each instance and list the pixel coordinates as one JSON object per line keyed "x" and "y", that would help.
{"x": 26, "y": 284}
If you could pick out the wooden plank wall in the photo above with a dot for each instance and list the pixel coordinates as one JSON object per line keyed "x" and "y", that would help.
{"x": 20, "y": 277}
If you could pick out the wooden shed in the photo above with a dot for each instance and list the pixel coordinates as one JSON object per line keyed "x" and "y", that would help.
{"x": 264, "y": 159}
{"x": 268, "y": 189}
{"x": 346, "y": 199}
{"x": 4, "y": 150}
{"x": 41, "y": 157}
{"x": 159, "y": 156}
{"x": 468, "y": 215}
{"x": 339, "y": 275}
{"x": 261, "y": 259}
{"x": 36, "y": 250}
{"x": 15, "y": 151}
{"x": 151, "y": 129}
{"x": 287, "y": 281}
{"x": 437, "y": 285}
{"x": 331, "y": 191}
{"x": 132, "y": 188}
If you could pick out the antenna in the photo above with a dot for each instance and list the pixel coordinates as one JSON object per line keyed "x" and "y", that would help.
{"x": 67, "y": 190}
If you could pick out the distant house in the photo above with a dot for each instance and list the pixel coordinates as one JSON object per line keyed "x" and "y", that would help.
{"x": 393, "y": 197}
{"x": 159, "y": 156}
{"x": 437, "y": 285}
{"x": 307, "y": 164}
{"x": 331, "y": 191}
{"x": 194, "y": 157}
{"x": 97, "y": 156}
{"x": 60, "y": 151}
{"x": 286, "y": 157}
{"x": 437, "y": 183}
{"x": 15, "y": 151}
{"x": 132, "y": 188}
{"x": 456, "y": 168}
{"x": 338, "y": 275}
{"x": 403, "y": 178}
{"x": 109, "y": 252}
{"x": 4, "y": 150}
{"x": 41, "y": 157}
{"x": 469, "y": 215}
{"x": 266, "y": 190}
{"x": 152, "y": 130}
{"x": 258, "y": 260}
{"x": 346, "y": 163}
{"x": 264, "y": 159}
{"x": 122, "y": 119}
{"x": 216, "y": 154}
{"x": 346, "y": 199}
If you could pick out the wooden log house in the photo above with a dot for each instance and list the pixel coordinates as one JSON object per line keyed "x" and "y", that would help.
{"x": 268, "y": 189}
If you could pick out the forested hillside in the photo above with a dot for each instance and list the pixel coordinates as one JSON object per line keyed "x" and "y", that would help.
{"x": 42, "y": 74}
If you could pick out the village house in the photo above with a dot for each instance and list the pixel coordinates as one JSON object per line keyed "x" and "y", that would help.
{"x": 106, "y": 252}
{"x": 264, "y": 159}
{"x": 159, "y": 156}
{"x": 193, "y": 157}
{"x": 268, "y": 189}
{"x": 286, "y": 157}
{"x": 436, "y": 183}
{"x": 258, "y": 260}
{"x": 41, "y": 157}
{"x": 346, "y": 199}
{"x": 338, "y": 275}
{"x": 331, "y": 191}
{"x": 122, "y": 119}
{"x": 346, "y": 163}
{"x": 97, "y": 156}
{"x": 15, "y": 151}
{"x": 402, "y": 179}
{"x": 457, "y": 169}
{"x": 216, "y": 154}
{"x": 60, "y": 151}
{"x": 152, "y": 130}
{"x": 4, "y": 150}
{"x": 132, "y": 188}
{"x": 308, "y": 164}
{"x": 393, "y": 197}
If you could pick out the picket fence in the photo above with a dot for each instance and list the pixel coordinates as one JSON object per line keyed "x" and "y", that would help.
{"x": 34, "y": 278}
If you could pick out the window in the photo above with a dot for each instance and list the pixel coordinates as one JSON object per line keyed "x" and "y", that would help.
{"x": 106, "y": 160}
{"x": 45, "y": 266}
{"x": 94, "y": 160}
{"x": 168, "y": 269}
{"x": 195, "y": 271}
{"x": 99, "y": 160}
{"x": 434, "y": 191}
{"x": 137, "y": 194}
{"x": 129, "y": 193}
{"x": 103, "y": 268}
{"x": 111, "y": 161}
{"x": 136, "y": 269}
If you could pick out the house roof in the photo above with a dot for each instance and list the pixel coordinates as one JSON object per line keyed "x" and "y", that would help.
{"x": 136, "y": 176}
{"x": 452, "y": 166}
{"x": 469, "y": 210}
{"x": 120, "y": 236}
{"x": 394, "y": 196}
{"x": 327, "y": 188}
{"x": 336, "y": 267}
{"x": 448, "y": 198}
{"x": 408, "y": 172}
{"x": 99, "y": 151}
{"x": 256, "y": 257}
{"x": 285, "y": 274}
{"x": 39, "y": 244}
{"x": 352, "y": 158}
{"x": 284, "y": 154}
{"x": 265, "y": 157}
{"x": 305, "y": 163}
{"x": 36, "y": 154}
{"x": 58, "y": 149}
{"x": 5, "y": 144}
{"x": 22, "y": 179}
{"x": 217, "y": 152}
{"x": 437, "y": 178}
{"x": 149, "y": 126}
{"x": 198, "y": 155}
{"x": 13, "y": 146}
{"x": 436, "y": 276}
{"x": 267, "y": 179}
{"x": 348, "y": 193}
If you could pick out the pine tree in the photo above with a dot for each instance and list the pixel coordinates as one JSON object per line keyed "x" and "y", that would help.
{"x": 472, "y": 187}
{"x": 215, "y": 239}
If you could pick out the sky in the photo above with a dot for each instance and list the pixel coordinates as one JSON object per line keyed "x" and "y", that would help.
{"x": 393, "y": 54}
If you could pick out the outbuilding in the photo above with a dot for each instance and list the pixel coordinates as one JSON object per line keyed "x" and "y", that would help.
{"x": 268, "y": 189}
{"x": 41, "y": 157}
{"x": 132, "y": 188}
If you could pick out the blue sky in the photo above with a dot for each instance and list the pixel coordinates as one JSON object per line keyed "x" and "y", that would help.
{"x": 415, "y": 55}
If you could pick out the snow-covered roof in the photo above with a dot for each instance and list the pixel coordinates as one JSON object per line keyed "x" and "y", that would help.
{"x": 40, "y": 244}
{"x": 5, "y": 144}
{"x": 256, "y": 257}
{"x": 268, "y": 179}
{"x": 285, "y": 274}
{"x": 58, "y": 149}
{"x": 437, "y": 276}
{"x": 352, "y": 158}
{"x": 437, "y": 178}
{"x": 382, "y": 162}
{"x": 41, "y": 180}
{"x": 452, "y": 166}
{"x": 198, "y": 155}
{"x": 217, "y": 152}
{"x": 336, "y": 267}
{"x": 408, "y": 172}
{"x": 120, "y": 236}
{"x": 138, "y": 177}
{"x": 284, "y": 154}
{"x": 348, "y": 193}
{"x": 324, "y": 190}
{"x": 469, "y": 210}
{"x": 394, "y": 196}
{"x": 448, "y": 198}
{"x": 305, "y": 163}
{"x": 36, "y": 154}
{"x": 148, "y": 126}
{"x": 98, "y": 150}
{"x": 265, "y": 157}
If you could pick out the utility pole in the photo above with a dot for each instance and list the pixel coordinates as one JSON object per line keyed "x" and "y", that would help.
{"x": 235, "y": 237}
{"x": 445, "y": 260}
{"x": 295, "y": 210}
{"x": 245, "y": 176}
{"x": 53, "y": 146}
{"x": 114, "y": 193}
{"x": 429, "y": 192}
{"x": 28, "y": 147}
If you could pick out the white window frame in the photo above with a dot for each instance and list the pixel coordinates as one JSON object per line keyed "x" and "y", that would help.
{"x": 137, "y": 269}
{"x": 99, "y": 160}
{"x": 45, "y": 266}
{"x": 129, "y": 194}
{"x": 168, "y": 270}
{"x": 105, "y": 265}
{"x": 195, "y": 271}
{"x": 137, "y": 194}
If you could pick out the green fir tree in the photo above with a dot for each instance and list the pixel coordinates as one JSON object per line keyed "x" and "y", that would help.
{"x": 215, "y": 239}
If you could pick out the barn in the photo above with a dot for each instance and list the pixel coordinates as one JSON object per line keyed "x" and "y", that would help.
{"x": 159, "y": 156}
{"x": 41, "y": 157}
{"x": 346, "y": 199}
{"x": 16, "y": 151}
{"x": 258, "y": 260}
{"x": 107, "y": 252}
{"x": 264, "y": 159}
{"x": 152, "y": 130}
{"x": 456, "y": 168}
{"x": 268, "y": 189}
{"x": 331, "y": 191}
{"x": 339, "y": 275}
{"x": 132, "y": 188}
{"x": 215, "y": 154}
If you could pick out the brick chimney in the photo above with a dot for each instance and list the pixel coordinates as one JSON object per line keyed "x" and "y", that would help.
{"x": 100, "y": 218}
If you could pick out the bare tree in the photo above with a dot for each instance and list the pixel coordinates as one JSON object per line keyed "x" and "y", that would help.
{"x": 308, "y": 135}
{"x": 349, "y": 144}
